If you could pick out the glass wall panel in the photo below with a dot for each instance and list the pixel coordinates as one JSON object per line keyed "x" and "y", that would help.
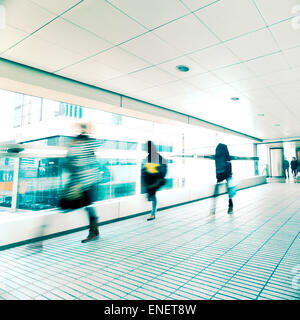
{"x": 123, "y": 143}
{"x": 124, "y": 178}
{"x": 40, "y": 182}
{"x": 6, "y": 181}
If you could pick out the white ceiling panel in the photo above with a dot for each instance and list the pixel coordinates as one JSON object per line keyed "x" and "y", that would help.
{"x": 9, "y": 36}
{"x": 195, "y": 68}
{"x": 41, "y": 54}
{"x": 56, "y": 6}
{"x": 125, "y": 84}
{"x": 196, "y": 4}
{"x": 104, "y": 20}
{"x": 178, "y": 88}
{"x": 215, "y": 57}
{"x": 204, "y": 81}
{"x": 25, "y": 15}
{"x": 187, "y": 34}
{"x": 267, "y": 64}
{"x": 286, "y": 35}
{"x": 280, "y": 77}
{"x": 154, "y": 76}
{"x": 156, "y": 92}
{"x": 151, "y": 48}
{"x": 253, "y": 45}
{"x": 90, "y": 69}
{"x": 293, "y": 56}
{"x": 260, "y": 95}
{"x": 248, "y": 84}
{"x": 275, "y": 11}
{"x": 287, "y": 89}
{"x": 121, "y": 60}
{"x": 152, "y": 13}
{"x": 73, "y": 38}
{"x": 196, "y": 98}
{"x": 231, "y": 18}
{"x": 233, "y": 73}
{"x": 132, "y": 47}
{"x": 220, "y": 91}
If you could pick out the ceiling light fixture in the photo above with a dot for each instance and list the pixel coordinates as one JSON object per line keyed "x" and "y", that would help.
{"x": 277, "y": 125}
{"x": 182, "y": 68}
{"x": 260, "y": 114}
{"x": 234, "y": 98}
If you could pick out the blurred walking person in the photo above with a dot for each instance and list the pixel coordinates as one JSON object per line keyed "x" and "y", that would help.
{"x": 81, "y": 190}
{"x": 294, "y": 167}
{"x": 286, "y": 166}
{"x": 223, "y": 172}
{"x": 153, "y": 175}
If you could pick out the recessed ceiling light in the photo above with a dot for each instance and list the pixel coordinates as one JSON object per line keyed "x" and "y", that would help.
{"x": 277, "y": 125}
{"x": 260, "y": 114}
{"x": 182, "y": 68}
{"x": 235, "y": 98}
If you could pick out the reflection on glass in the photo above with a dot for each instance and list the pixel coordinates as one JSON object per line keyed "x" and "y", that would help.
{"x": 40, "y": 182}
{"x": 41, "y": 179}
{"x": 6, "y": 181}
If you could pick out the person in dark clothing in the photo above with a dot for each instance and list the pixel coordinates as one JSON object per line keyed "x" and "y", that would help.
{"x": 286, "y": 166}
{"x": 153, "y": 175}
{"x": 85, "y": 172}
{"x": 294, "y": 167}
{"x": 223, "y": 172}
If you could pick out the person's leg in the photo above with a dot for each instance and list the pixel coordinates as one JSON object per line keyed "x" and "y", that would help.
{"x": 93, "y": 226}
{"x": 230, "y": 202}
{"x": 93, "y": 219}
{"x": 230, "y": 206}
{"x": 92, "y": 216}
{"x": 214, "y": 198}
{"x": 154, "y": 205}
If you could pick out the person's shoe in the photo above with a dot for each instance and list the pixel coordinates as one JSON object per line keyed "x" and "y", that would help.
{"x": 151, "y": 218}
{"x": 91, "y": 237}
{"x": 230, "y": 209}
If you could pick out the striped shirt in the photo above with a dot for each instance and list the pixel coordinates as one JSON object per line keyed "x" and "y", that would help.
{"x": 82, "y": 162}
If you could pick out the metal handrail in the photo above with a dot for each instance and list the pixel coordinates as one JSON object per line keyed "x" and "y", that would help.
{"x": 28, "y": 151}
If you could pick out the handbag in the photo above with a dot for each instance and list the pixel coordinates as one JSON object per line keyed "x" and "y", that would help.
{"x": 72, "y": 197}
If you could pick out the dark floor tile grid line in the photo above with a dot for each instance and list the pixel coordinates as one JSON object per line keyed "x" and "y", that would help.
{"x": 167, "y": 222}
{"x": 253, "y": 256}
{"x": 200, "y": 271}
{"x": 162, "y": 247}
{"x": 277, "y": 267}
{"x": 214, "y": 262}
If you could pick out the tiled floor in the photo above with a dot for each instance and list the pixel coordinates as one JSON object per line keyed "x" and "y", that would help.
{"x": 186, "y": 253}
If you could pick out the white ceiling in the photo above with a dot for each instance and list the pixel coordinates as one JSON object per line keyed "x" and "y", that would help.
{"x": 247, "y": 48}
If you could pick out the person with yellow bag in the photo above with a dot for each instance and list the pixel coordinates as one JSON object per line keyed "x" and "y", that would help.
{"x": 153, "y": 175}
